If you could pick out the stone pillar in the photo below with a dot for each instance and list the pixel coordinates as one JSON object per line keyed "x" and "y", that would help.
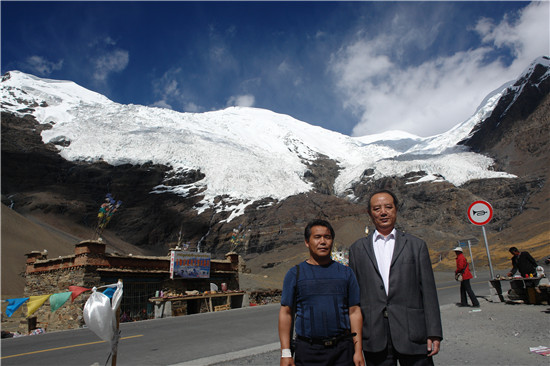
{"x": 234, "y": 259}
{"x": 32, "y": 257}
{"x": 89, "y": 252}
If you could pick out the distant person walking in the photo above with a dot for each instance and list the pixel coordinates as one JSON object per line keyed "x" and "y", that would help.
{"x": 325, "y": 295}
{"x": 462, "y": 269}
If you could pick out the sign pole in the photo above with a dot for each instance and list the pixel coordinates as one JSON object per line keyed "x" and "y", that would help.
{"x": 472, "y": 258}
{"x": 114, "y": 358}
{"x": 488, "y": 254}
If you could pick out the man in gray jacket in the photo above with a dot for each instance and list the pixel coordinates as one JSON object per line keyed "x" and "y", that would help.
{"x": 401, "y": 318}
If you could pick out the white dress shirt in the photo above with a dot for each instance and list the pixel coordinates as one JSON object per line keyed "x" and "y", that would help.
{"x": 383, "y": 249}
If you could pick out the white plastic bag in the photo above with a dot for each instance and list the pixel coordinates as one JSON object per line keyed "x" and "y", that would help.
{"x": 100, "y": 315}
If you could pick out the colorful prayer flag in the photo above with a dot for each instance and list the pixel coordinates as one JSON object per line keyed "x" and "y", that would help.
{"x": 57, "y": 300}
{"x": 35, "y": 302}
{"x": 109, "y": 292}
{"x": 77, "y": 290}
{"x": 14, "y": 304}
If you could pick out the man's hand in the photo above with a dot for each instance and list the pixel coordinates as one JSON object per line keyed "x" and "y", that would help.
{"x": 358, "y": 359}
{"x": 287, "y": 361}
{"x": 356, "y": 322}
{"x": 433, "y": 346}
{"x": 285, "y": 324}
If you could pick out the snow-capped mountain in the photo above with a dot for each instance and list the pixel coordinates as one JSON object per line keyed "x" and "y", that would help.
{"x": 244, "y": 153}
{"x": 200, "y": 177}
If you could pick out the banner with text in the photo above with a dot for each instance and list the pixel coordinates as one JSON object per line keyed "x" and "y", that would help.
{"x": 189, "y": 264}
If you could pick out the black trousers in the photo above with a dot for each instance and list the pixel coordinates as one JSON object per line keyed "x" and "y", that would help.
{"x": 314, "y": 354}
{"x": 466, "y": 288}
{"x": 390, "y": 356}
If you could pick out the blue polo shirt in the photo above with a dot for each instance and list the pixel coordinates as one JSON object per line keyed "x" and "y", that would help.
{"x": 325, "y": 294}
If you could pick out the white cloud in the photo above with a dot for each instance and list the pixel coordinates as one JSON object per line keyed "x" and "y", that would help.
{"x": 287, "y": 73}
{"x": 40, "y": 66}
{"x": 167, "y": 85}
{"x": 171, "y": 88}
{"x": 241, "y": 100}
{"x": 320, "y": 34}
{"x": 192, "y": 107}
{"x": 284, "y": 67}
{"x": 219, "y": 52}
{"x": 161, "y": 104}
{"x": 431, "y": 97}
{"x": 109, "y": 41}
{"x": 168, "y": 89}
{"x": 109, "y": 62}
{"x": 528, "y": 36}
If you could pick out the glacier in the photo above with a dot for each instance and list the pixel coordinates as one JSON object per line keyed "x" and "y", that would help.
{"x": 245, "y": 153}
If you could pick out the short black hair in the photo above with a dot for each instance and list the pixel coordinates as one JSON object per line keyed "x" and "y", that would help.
{"x": 317, "y": 222}
{"x": 513, "y": 250}
{"x": 395, "y": 201}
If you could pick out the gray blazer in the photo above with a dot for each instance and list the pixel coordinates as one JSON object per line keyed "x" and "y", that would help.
{"x": 411, "y": 304}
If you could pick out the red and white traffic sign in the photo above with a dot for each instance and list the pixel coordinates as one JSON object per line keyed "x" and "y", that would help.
{"x": 480, "y": 213}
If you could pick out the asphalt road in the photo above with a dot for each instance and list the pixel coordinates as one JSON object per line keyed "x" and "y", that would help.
{"x": 153, "y": 342}
{"x": 202, "y": 339}
{"x": 448, "y": 291}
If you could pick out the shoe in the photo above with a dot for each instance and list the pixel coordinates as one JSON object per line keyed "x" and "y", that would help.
{"x": 461, "y": 305}
{"x": 476, "y": 306}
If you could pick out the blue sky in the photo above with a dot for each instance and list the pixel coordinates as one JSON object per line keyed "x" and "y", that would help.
{"x": 354, "y": 67}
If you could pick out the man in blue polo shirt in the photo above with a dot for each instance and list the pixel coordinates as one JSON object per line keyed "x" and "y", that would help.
{"x": 328, "y": 316}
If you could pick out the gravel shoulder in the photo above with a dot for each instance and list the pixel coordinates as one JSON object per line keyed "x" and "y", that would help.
{"x": 494, "y": 334}
{"x": 499, "y": 334}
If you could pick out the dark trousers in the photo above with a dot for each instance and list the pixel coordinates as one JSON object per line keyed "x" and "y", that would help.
{"x": 314, "y": 354}
{"x": 466, "y": 288}
{"x": 390, "y": 356}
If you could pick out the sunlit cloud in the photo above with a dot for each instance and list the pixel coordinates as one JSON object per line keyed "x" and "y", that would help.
{"x": 109, "y": 62}
{"x": 167, "y": 88}
{"x": 241, "y": 100}
{"x": 192, "y": 108}
{"x": 284, "y": 67}
{"x": 527, "y": 36}
{"x": 40, "y": 66}
{"x": 433, "y": 96}
{"x": 161, "y": 104}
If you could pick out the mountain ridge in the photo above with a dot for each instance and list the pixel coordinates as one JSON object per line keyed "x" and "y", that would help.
{"x": 36, "y": 178}
{"x": 81, "y": 125}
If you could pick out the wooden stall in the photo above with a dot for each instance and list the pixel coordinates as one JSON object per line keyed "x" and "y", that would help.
{"x": 197, "y": 303}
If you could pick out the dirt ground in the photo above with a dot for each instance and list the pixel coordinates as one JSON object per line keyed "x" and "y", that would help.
{"x": 495, "y": 334}
{"x": 499, "y": 334}
{"x": 21, "y": 235}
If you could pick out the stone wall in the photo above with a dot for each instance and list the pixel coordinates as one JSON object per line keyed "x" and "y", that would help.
{"x": 69, "y": 316}
{"x": 90, "y": 266}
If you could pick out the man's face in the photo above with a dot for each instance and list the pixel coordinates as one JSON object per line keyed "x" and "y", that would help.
{"x": 383, "y": 212}
{"x": 320, "y": 242}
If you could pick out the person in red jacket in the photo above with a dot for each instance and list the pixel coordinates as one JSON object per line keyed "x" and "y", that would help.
{"x": 465, "y": 287}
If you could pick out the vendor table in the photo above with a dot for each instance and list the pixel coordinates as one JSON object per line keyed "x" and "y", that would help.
{"x": 168, "y": 306}
{"x": 527, "y": 288}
